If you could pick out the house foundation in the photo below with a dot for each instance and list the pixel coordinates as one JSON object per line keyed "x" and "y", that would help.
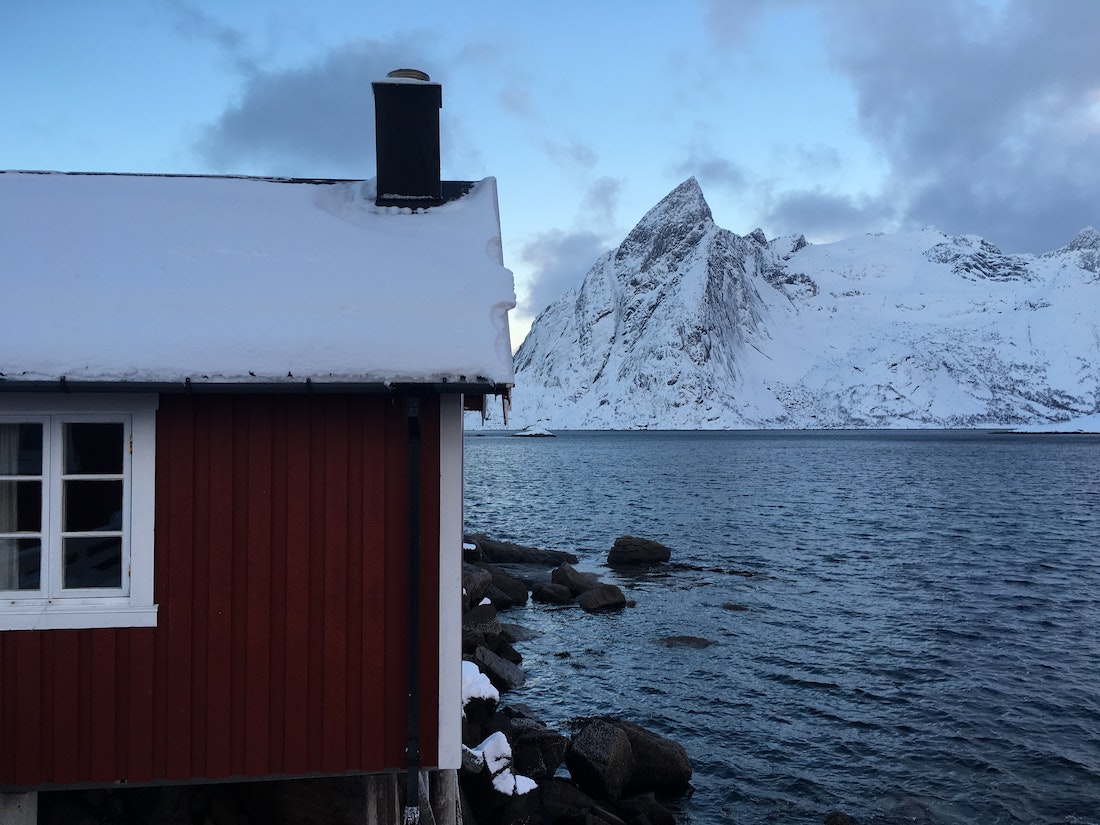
{"x": 19, "y": 808}
{"x": 438, "y": 804}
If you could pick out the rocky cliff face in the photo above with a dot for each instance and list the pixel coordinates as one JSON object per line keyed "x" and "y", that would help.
{"x": 687, "y": 325}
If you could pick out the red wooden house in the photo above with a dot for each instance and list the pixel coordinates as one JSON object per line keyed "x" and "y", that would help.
{"x": 231, "y": 464}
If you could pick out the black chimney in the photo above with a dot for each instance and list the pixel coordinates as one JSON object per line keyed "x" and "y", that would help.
{"x": 406, "y": 116}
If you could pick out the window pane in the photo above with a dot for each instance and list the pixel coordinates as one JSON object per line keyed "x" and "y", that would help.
{"x": 94, "y": 448}
{"x": 20, "y": 449}
{"x": 92, "y": 505}
{"x": 20, "y": 562}
{"x": 20, "y": 506}
{"x": 93, "y": 562}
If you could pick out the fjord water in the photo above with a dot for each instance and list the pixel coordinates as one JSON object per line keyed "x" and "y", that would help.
{"x": 918, "y": 641}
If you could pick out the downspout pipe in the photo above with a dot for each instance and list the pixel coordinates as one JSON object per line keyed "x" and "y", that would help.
{"x": 412, "y": 743}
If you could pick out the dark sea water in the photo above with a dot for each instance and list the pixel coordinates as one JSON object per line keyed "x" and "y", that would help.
{"x": 920, "y": 643}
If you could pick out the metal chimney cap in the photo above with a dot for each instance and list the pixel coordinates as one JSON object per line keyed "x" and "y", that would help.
{"x": 410, "y": 74}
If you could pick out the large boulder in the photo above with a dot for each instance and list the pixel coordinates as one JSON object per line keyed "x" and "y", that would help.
{"x": 660, "y": 764}
{"x": 491, "y": 784}
{"x": 633, "y": 552}
{"x": 577, "y": 582}
{"x": 644, "y": 809}
{"x": 505, "y": 552}
{"x": 518, "y": 633}
{"x": 537, "y": 750}
{"x": 602, "y": 599}
{"x": 600, "y": 760}
{"x": 503, "y": 674}
{"x": 505, "y": 590}
{"x": 564, "y": 802}
{"x": 478, "y": 717}
{"x": 506, "y": 651}
{"x": 480, "y": 627}
{"x": 551, "y": 593}
{"x": 475, "y": 581}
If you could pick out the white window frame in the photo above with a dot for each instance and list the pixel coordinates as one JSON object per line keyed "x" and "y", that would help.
{"x": 132, "y": 604}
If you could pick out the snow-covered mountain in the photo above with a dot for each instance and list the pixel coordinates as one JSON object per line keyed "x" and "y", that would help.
{"x": 687, "y": 325}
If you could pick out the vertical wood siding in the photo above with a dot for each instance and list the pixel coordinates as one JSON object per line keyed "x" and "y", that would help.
{"x": 282, "y": 578}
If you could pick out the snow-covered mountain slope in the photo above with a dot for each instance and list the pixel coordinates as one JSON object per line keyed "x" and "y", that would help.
{"x": 687, "y": 325}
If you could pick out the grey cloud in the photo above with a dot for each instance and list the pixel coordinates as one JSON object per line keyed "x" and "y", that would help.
{"x": 732, "y": 21}
{"x": 194, "y": 23}
{"x": 712, "y": 169}
{"x": 601, "y": 201}
{"x": 825, "y": 216}
{"x": 985, "y": 113}
{"x": 559, "y": 261}
{"x": 517, "y": 100}
{"x": 816, "y": 157}
{"x": 316, "y": 120}
{"x": 571, "y": 153}
{"x": 979, "y": 112}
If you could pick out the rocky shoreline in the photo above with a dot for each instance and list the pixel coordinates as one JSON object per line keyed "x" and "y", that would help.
{"x": 619, "y": 773}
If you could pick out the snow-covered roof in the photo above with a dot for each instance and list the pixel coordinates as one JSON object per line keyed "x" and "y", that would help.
{"x": 162, "y": 279}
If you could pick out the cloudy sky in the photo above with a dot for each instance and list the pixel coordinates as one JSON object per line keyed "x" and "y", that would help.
{"x": 823, "y": 117}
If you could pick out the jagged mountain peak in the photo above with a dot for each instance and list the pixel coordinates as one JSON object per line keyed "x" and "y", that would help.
{"x": 1084, "y": 250}
{"x": 670, "y": 228}
{"x": 688, "y": 325}
{"x": 685, "y": 197}
{"x": 759, "y": 236}
{"x": 1087, "y": 238}
{"x": 974, "y": 257}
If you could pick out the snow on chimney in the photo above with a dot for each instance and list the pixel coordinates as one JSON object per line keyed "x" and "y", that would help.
{"x": 406, "y": 115}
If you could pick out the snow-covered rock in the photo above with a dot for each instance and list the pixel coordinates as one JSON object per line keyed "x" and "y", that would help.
{"x": 476, "y": 685}
{"x": 496, "y": 755}
{"x": 689, "y": 326}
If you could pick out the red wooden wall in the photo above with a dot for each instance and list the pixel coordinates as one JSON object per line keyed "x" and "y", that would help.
{"x": 281, "y": 575}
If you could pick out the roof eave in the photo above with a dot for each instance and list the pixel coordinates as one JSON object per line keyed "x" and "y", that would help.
{"x": 305, "y": 386}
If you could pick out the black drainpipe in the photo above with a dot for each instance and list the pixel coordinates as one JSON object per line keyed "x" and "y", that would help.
{"x": 412, "y": 746}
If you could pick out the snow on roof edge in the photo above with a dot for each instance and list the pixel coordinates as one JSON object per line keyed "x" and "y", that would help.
{"x": 165, "y": 278}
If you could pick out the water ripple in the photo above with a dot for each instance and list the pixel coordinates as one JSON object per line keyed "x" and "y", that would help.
{"x": 922, "y": 646}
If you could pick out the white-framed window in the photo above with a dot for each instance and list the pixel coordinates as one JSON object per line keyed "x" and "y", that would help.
{"x": 77, "y": 476}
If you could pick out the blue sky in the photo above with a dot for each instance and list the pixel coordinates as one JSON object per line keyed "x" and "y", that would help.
{"x": 823, "y": 117}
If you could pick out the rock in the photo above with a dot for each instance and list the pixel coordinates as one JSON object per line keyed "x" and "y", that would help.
{"x": 500, "y": 599}
{"x": 630, "y": 551}
{"x": 505, "y": 552}
{"x": 599, "y": 815}
{"x": 660, "y": 764}
{"x": 480, "y": 627}
{"x": 600, "y": 759}
{"x": 575, "y": 580}
{"x": 603, "y": 598}
{"x": 510, "y": 590}
{"x": 563, "y": 801}
{"x": 551, "y": 593}
{"x": 538, "y": 751}
{"x": 518, "y": 809}
{"x": 522, "y": 713}
{"x": 503, "y": 674}
{"x": 518, "y": 633}
{"x": 477, "y": 720}
{"x": 644, "y": 809}
{"x": 686, "y": 641}
{"x": 475, "y": 582}
{"x": 505, "y": 651}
